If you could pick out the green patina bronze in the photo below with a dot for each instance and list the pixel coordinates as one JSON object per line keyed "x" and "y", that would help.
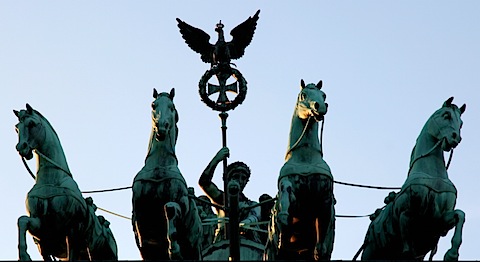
{"x": 219, "y": 55}
{"x": 247, "y": 212}
{"x": 301, "y": 230}
{"x": 165, "y": 220}
{"x": 62, "y": 223}
{"x": 414, "y": 219}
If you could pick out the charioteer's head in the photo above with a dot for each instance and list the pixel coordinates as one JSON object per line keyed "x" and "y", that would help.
{"x": 239, "y": 172}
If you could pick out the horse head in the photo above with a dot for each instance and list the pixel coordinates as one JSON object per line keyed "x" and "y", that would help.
{"x": 311, "y": 101}
{"x": 446, "y": 123}
{"x": 164, "y": 114}
{"x": 31, "y": 132}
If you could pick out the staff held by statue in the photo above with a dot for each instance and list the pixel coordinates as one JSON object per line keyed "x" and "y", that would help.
{"x": 219, "y": 56}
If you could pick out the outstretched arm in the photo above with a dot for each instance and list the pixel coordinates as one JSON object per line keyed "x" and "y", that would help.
{"x": 205, "y": 181}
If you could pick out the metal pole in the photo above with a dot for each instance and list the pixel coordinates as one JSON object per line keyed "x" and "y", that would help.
{"x": 223, "y": 117}
{"x": 233, "y": 191}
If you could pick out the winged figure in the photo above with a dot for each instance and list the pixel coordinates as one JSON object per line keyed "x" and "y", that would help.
{"x": 222, "y": 52}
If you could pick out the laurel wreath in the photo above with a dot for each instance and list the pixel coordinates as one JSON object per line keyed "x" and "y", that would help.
{"x": 224, "y": 106}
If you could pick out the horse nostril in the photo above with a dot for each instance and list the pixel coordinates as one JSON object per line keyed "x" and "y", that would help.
{"x": 316, "y": 105}
{"x": 21, "y": 146}
{"x": 454, "y": 135}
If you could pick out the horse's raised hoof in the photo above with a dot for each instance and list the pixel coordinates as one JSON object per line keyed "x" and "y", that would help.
{"x": 175, "y": 255}
{"x": 451, "y": 255}
{"x": 24, "y": 257}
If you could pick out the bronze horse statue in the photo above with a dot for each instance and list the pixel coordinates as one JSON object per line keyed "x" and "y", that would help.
{"x": 412, "y": 222}
{"x": 303, "y": 219}
{"x": 62, "y": 223}
{"x": 165, "y": 220}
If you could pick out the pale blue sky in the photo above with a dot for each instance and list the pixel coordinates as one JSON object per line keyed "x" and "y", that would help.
{"x": 90, "y": 68}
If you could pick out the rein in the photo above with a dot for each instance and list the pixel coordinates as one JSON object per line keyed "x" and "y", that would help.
{"x": 46, "y": 158}
{"x": 303, "y": 134}
{"x": 430, "y": 151}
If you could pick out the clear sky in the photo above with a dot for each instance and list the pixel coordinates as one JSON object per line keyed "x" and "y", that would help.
{"x": 90, "y": 68}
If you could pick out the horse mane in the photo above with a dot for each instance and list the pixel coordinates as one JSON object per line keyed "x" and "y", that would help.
{"x": 46, "y": 121}
{"x": 437, "y": 112}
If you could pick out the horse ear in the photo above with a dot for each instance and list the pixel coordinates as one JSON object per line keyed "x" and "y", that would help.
{"x": 302, "y": 84}
{"x": 462, "y": 108}
{"x": 448, "y": 102}
{"x": 29, "y": 108}
{"x": 172, "y": 93}
{"x": 16, "y": 112}
{"x": 320, "y": 84}
{"x": 155, "y": 93}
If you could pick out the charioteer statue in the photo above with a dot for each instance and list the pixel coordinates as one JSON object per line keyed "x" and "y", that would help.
{"x": 230, "y": 202}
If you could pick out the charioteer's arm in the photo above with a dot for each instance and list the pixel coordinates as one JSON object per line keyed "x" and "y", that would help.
{"x": 253, "y": 216}
{"x": 205, "y": 181}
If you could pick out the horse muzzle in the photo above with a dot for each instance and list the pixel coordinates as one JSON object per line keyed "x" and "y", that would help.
{"x": 451, "y": 142}
{"x": 161, "y": 134}
{"x": 319, "y": 112}
{"x": 24, "y": 150}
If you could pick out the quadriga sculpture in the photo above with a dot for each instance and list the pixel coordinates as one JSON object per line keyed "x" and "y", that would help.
{"x": 165, "y": 220}
{"x": 62, "y": 223}
{"x": 303, "y": 221}
{"x": 412, "y": 222}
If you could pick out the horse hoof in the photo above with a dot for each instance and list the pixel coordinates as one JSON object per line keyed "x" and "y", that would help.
{"x": 320, "y": 252}
{"x": 24, "y": 257}
{"x": 451, "y": 255}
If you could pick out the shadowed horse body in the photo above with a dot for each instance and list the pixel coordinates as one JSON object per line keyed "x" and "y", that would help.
{"x": 303, "y": 218}
{"x": 62, "y": 223}
{"x": 411, "y": 224}
{"x": 165, "y": 220}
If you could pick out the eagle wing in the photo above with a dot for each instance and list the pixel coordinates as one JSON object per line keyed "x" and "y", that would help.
{"x": 197, "y": 40}
{"x": 242, "y": 36}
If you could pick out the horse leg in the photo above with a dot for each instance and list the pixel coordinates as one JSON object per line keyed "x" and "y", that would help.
{"x": 324, "y": 226}
{"x": 285, "y": 198}
{"x": 454, "y": 218}
{"x": 25, "y": 224}
{"x": 404, "y": 220}
{"x": 172, "y": 213}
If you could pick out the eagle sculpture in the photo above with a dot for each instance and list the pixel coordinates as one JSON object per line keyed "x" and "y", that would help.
{"x": 221, "y": 52}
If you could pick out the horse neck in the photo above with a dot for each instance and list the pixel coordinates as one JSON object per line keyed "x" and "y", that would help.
{"x": 48, "y": 172}
{"x": 308, "y": 148}
{"x": 161, "y": 153}
{"x": 432, "y": 163}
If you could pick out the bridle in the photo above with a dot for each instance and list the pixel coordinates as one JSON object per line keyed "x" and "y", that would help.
{"x": 40, "y": 154}
{"x": 48, "y": 160}
{"x": 303, "y": 134}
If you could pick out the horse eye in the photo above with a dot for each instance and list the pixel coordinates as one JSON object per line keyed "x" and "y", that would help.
{"x": 31, "y": 124}
{"x": 153, "y": 105}
{"x": 302, "y": 96}
{"x": 447, "y": 115}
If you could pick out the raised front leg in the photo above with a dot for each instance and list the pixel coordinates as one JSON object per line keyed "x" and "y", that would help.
{"x": 25, "y": 224}
{"x": 172, "y": 213}
{"x": 285, "y": 198}
{"x": 457, "y": 218}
